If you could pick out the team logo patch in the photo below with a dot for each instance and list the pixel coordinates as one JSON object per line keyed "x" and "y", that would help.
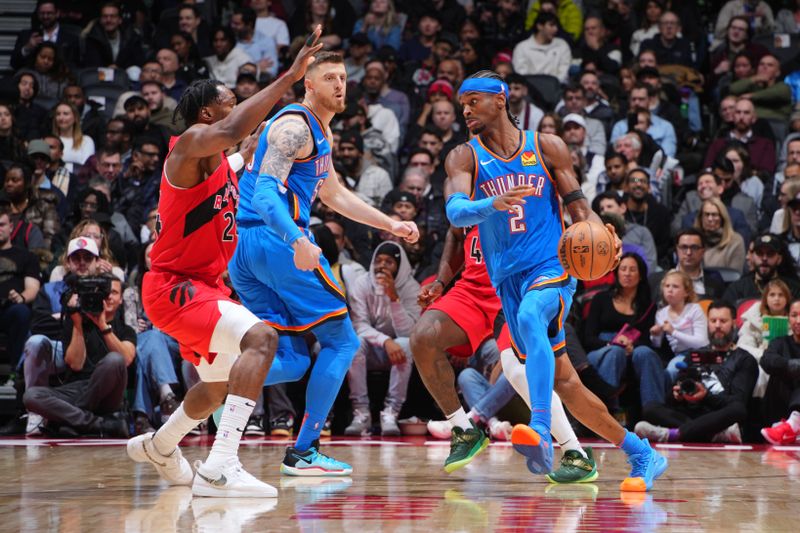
{"x": 528, "y": 159}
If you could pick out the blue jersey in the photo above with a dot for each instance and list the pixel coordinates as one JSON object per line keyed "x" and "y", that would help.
{"x": 523, "y": 239}
{"x": 305, "y": 177}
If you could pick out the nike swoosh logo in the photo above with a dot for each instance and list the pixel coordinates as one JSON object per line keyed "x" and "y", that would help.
{"x": 487, "y": 161}
{"x": 320, "y": 141}
{"x": 215, "y": 482}
{"x": 307, "y": 461}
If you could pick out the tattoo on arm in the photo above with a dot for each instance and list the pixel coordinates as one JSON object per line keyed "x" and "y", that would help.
{"x": 286, "y": 139}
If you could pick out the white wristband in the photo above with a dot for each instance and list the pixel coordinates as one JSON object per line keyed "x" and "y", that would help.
{"x": 236, "y": 162}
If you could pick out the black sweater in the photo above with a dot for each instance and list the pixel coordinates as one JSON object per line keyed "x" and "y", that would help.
{"x": 603, "y": 318}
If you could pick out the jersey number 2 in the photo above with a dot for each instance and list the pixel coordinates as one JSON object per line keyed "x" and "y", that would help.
{"x": 228, "y": 233}
{"x": 516, "y": 222}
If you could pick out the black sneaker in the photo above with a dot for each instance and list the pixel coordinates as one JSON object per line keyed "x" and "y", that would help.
{"x": 168, "y": 406}
{"x": 282, "y": 426}
{"x": 15, "y": 426}
{"x": 141, "y": 424}
{"x": 112, "y": 427}
{"x": 254, "y": 427}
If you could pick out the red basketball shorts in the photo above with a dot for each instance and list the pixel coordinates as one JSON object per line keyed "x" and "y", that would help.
{"x": 474, "y": 309}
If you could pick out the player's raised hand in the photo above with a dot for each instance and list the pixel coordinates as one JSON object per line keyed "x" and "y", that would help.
{"x": 429, "y": 293}
{"x": 306, "y": 55}
{"x": 617, "y": 245}
{"x": 407, "y": 230}
{"x": 306, "y": 254}
{"x": 249, "y": 144}
{"x": 512, "y": 197}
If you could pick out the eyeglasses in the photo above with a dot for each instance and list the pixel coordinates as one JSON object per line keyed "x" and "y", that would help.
{"x": 637, "y": 180}
{"x": 689, "y": 248}
{"x": 711, "y": 215}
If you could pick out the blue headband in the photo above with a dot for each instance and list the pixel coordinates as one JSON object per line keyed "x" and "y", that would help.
{"x": 483, "y": 85}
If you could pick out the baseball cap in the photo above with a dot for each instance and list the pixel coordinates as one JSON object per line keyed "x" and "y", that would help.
{"x": 441, "y": 86}
{"x": 352, "y": 137}
{"x": 82, "y": 243}
{"x": 135, "y": 99}
{"x": 397, "y": 195}
{"x": 575, "y": 118}
{"x": 38, "y": 146}
{"x": 387, "y": 54}
{"x": 504, "y": 56}
{"x": 768, "y": 240}
{"x": 648, "y": 72}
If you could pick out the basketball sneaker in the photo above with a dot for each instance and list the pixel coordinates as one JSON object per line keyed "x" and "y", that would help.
{"x": 254, "y": 427}
{"x": 231, "y": 515}
{"x": 646, "y": 467}
{"x": 500, "y": 429}
{"x": 465, "y": 445}
{"x": 312, "y": 462}
{"x": 575, "y": 468}
{"x": 361, "y": 424}
{"x": 779, "y": 434}
{"x": 174, "y": 468}
{"x": 34, "y": 424}
{"x": 229, "y": 480}
{"x": 537, "y": 448}
{"x": 440, "y": 429}
{"x": 282, "y": 426}
{"x": 730, "y": 435}
{"x": 651, "y": 431}
{"x": 389, "y": 427}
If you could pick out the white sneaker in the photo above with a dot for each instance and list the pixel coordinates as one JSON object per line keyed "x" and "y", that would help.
{"x": 229, "y": 480}
{"x": 174, "y": 468}
{"x": 440, "y": 429}
{"x": 730, "y": 435}
{"x": 213, "y": 515}
{"x": 389, "y": 427}
{"x": 361, "y": 424}
{"x": 34, "y": 424}
{"x": 500, "y": 429}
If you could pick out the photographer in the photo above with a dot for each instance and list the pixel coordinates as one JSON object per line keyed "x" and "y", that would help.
{"x": 99, "y": 348}
{"x": 709, "y": 401}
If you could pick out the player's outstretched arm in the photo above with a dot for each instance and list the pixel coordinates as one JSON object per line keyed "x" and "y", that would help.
{"x": 463, "y": 212}
{"x": 559, "y": 162}
{"x": 343, "y": 201}
{"x": 205, "y": 140}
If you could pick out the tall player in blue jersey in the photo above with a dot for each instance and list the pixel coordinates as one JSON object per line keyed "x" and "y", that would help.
{"x": 507, "y": 182}
{"x": 277, "y": 268}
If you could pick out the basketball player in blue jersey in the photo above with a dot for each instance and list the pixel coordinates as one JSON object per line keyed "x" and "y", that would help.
{"x": 277, "y": 269}
{"x": 507, "y": 182}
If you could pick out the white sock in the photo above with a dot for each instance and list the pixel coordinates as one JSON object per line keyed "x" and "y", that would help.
{"x": 235, "y": 414}
{"x": 166, "y": 390}
{"x": 170, "y": 434}
{"x": 794, "y": 421}
{"x": 459, "y": 419}
{"x": 561, "y": 428}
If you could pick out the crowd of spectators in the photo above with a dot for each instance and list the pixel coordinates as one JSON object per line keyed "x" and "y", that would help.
{"x": 682, "y": 119}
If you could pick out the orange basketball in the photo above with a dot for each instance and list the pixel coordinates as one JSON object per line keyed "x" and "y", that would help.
{"x": 586, "y": 250}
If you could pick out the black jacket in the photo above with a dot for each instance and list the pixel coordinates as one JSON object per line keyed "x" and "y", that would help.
{"x": 97, "y": 50}
{"x": 745, "y": 288}
{"x": 67, "y": 42}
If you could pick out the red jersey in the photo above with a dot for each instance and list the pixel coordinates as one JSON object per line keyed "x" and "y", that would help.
{"x": 196, "y": 227}
{"x": 474, "y": 271}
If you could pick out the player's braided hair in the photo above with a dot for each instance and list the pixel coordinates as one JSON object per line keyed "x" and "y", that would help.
{"x": 198, "y": 94}
{"x": 495, "y": 76}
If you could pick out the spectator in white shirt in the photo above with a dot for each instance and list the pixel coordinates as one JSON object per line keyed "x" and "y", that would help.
{"x": 543, "y": 52}
{"x": 224, "y": 64}
{"x": 268, "y": 24}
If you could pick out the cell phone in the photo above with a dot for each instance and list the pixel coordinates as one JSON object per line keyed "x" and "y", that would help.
{"x": 632, "y": 119}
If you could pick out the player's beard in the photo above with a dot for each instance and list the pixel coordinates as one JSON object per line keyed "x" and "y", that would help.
{"x": 335, "y": 105}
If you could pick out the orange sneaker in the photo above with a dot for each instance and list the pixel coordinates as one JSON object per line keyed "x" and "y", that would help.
{"x": 781, "y": 433}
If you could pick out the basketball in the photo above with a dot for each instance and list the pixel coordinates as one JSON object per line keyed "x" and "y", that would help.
{"x": 586, "y": 250}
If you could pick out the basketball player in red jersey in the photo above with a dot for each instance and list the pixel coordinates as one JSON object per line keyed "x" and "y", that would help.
{"x": 469, "y": 313}
{"x": 185, "y": 297}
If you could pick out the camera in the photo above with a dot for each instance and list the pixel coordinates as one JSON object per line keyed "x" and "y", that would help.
{"x": 692, "y": 370}
{"x": 91, "y": 291}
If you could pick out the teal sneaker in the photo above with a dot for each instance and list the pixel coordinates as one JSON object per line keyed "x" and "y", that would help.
{"x": 646, "y": 467}
{"x": 312, "y": 462}
{"x": 575, "y": 468}
{"x": 465, "y": 445}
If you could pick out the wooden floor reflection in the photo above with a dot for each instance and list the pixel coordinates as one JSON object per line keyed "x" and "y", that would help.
{"x": 80, "y": 487}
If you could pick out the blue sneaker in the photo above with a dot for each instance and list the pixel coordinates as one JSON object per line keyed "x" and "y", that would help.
{"x": 312, "y": 463}
{"x": 646, "y": 467}
{"x": 537, "y": 448}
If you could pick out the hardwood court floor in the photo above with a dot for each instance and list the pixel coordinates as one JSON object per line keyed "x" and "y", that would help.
{"x": 398, "y": 486}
